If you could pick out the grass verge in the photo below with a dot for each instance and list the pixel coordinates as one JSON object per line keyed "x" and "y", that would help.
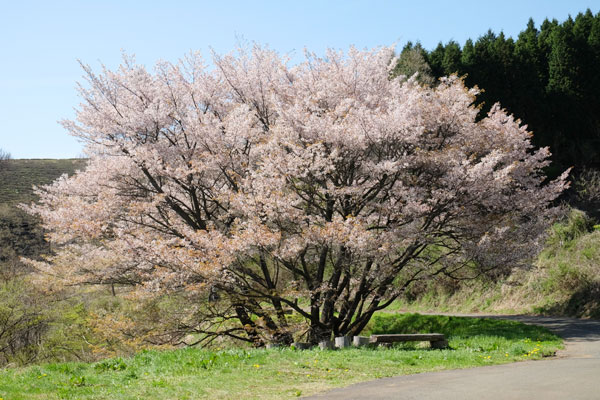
{"x": 281, "y": 373}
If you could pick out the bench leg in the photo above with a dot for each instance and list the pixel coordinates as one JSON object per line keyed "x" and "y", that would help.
{"x": 439, "y": 344}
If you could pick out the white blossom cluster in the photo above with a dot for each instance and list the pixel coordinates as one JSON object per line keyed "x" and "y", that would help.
{"x": 325, "y": 187}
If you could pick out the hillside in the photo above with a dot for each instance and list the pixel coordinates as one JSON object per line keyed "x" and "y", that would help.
{"x": 17, "y": 177}
{"x": 20, "y": 233}
{"x": 563, "y": 280}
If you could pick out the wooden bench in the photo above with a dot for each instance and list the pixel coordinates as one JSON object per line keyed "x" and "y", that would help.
{"x": 437, "y": 340}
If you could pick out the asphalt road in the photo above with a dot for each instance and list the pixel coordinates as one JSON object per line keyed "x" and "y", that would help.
{"x": 574, "y": 374}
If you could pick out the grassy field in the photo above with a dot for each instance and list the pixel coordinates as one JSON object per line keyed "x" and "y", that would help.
{"x": 281, "y": 373}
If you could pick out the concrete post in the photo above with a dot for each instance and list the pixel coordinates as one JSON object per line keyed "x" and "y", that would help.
{"x": 326, "y": 345}
{"x": 342, "y": 341}
{"x": 360, "y": 341}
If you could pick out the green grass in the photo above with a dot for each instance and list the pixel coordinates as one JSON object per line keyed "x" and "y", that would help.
{"x": 280, "y": 373}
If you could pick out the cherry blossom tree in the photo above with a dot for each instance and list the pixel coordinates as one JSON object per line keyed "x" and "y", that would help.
{"x": 323, "y": 189}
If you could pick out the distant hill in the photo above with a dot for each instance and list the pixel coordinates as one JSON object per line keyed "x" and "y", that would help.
{"x": 17, "y": 177}
{"x": 20, "y": 233}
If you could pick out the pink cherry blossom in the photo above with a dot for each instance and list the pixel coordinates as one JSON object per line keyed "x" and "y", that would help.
{"x": 325, "y": 187}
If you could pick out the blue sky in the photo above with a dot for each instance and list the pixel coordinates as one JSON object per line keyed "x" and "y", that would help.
{"x": 40, "y": 42}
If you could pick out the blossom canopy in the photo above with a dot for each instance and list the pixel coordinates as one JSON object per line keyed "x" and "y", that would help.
{"x": 325, "y": 187}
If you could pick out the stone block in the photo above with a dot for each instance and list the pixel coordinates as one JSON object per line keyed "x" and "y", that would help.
{"x": 326, "y": 345}
{"x": 342, "y": 341}
{"x": 360, "y": 341}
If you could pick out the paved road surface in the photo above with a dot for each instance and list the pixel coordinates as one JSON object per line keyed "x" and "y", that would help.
{"x": 573, "y": 375}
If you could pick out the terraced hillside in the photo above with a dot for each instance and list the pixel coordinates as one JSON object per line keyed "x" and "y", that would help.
{"x": 17, "y": 177}
{"x": 20, "y": 233}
